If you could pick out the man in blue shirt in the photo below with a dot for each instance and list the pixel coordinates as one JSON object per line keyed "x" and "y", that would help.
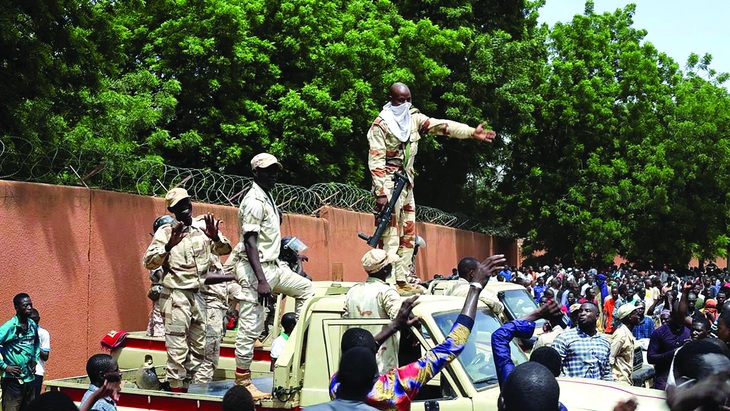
{"x": 506, "y": 273}
{"x": 584, "y": 351}
{"x": 539, "y": 288}
{"x": 105, "y": 379}
{"x": 646, "y": 324}
{"x": 20, "y": 352}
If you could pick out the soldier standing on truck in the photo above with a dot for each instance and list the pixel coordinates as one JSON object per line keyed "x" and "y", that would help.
{"x": 259, "y": 271}
{"x": 184, "y": 250}
{"x": 375, "y": 298}
{"x": 393, "y": 139}
{"x": 156, "y": 326}
{"x": 216, "y": 304}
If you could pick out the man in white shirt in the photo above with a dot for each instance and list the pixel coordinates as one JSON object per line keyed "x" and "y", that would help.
{"x": 45, "y": 342}
{"x": 288, "y": 321}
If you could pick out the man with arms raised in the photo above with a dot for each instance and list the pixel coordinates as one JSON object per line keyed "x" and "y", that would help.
{"x": 393, "y": 139}
{"x": 184, "y": 250}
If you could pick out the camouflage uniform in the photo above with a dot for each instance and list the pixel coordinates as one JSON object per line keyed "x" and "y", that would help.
{"x": 183, "y": 307}
{"x": 460, "y": 288}
{"x": 388, "y": 154}
{"x": 259, "y": 214}
{"x": 216, "y": 305}
{"x": 156, "y": 325}
{"x": 375, "y": 298}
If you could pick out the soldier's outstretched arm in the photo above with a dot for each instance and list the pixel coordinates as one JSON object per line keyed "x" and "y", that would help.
{"x": 456, "y": 130}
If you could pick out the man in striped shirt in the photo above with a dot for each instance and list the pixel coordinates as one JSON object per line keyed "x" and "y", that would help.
{"x": 583, "y": 349}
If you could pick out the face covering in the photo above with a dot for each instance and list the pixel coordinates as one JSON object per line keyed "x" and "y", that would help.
{"x": 398, "y": 119}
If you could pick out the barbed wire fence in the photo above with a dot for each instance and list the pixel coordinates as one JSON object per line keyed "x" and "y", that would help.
{"x": 23, "y": 160}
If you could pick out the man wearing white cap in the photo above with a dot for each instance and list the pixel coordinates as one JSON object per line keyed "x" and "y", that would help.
{"x": 259, "y": 270}
{"x": 622, "y": 344}
{"x": 184, "y": 250}
{"x": 393, "y": 139}
{"x": 374, "y": 298}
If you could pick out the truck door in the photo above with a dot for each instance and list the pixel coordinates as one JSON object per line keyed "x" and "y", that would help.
{"x": 443, "y": 391}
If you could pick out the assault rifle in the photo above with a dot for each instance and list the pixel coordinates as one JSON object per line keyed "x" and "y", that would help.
{"x": 382, "y": 219}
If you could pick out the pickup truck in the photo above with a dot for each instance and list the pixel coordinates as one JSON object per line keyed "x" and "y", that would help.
{"x": 302, "y": 373}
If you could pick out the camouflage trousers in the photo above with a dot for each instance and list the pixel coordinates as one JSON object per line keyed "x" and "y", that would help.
{"x": 252, "y": 314}
{"x": 156, "y": 325}
{"x": 399, "y": 238}
{"x": 184, "y": 314}
{"x": 214, "y": 332}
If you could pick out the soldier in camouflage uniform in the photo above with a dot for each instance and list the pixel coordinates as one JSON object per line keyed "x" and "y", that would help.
{"x": 156, "y": 326}
{"x": 393, "y": 139}
{"x": 259, "y": 271}
{"x": 375, "y": 298}
{"x": 184, "y": 250}
{"x": 216, "y": 304}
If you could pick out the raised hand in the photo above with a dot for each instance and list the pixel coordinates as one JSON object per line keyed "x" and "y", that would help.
{"x": 109, "y": 389}
{"x": 211, "y": 227}
{"x": 404, "y": 319}
{"x": 176, "y": 236}
{"x": 483, "y": 134}
{"x": 487, "y": 268}
{"x": 550, "y": 310}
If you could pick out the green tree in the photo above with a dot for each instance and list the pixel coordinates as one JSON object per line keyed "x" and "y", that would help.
{"x": 605, "y": 170}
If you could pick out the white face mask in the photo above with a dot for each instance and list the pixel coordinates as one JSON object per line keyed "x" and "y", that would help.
{"x": 400, "y": 110}
{"x": 398, "y": 119}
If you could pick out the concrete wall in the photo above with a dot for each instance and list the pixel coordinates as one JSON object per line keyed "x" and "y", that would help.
{"x": 78, "y": 253}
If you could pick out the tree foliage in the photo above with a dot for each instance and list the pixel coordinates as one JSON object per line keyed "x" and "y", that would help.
{"x": 624, "y": 156}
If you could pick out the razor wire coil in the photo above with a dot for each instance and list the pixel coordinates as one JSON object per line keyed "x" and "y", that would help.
{"x": 23, "y": 160}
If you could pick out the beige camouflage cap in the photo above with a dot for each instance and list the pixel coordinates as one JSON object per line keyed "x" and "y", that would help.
{"x": 376, "y": 259}
{"x": 264, "y": 160}
{"x": 175, "y": 195}
{"x": 625, "y": 311}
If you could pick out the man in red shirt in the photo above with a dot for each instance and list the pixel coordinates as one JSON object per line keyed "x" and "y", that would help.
{"x": 608, "y": 307}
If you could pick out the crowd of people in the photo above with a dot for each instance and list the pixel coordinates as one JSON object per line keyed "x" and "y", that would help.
{"x": 660, "y": 310}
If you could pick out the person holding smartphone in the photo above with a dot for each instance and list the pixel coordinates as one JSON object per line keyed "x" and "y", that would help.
{"x": 105, "y": 377}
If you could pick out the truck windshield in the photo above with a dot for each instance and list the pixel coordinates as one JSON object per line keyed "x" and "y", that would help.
{"x": 476, "y": 359}
{"x": 518, "y": 304}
